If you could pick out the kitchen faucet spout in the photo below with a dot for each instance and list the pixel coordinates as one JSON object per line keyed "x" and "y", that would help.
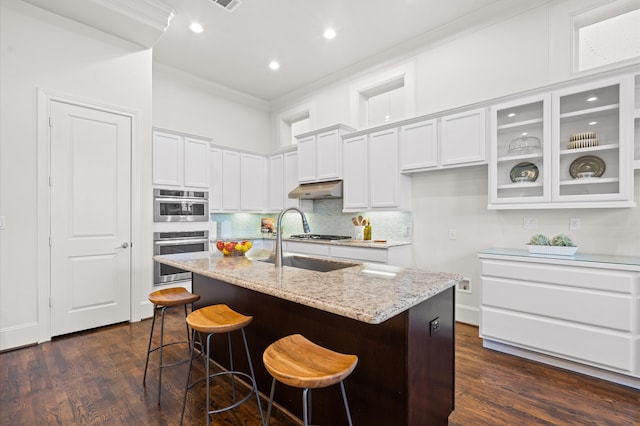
{"x": 305, "y": 226}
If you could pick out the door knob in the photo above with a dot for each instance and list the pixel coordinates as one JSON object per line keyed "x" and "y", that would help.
{"x": 123, "y": 245}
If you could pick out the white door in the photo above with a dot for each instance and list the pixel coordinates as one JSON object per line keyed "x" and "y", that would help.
{"x": 90, "y": 218}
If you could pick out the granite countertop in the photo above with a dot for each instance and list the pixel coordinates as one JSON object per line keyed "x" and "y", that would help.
{"x": 367, "y": 292}
{"x": 381, "y": 244}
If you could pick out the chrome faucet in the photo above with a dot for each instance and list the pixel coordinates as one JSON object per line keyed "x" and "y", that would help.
{"x": 305, "y": 226}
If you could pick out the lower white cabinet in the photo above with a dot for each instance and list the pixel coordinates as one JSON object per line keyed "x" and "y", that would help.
{"x": 395, "y": 255}
{"x": 586, "y": 312}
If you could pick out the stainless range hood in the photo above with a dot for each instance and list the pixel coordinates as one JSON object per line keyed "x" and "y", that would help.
{"x": 318, "y": 191}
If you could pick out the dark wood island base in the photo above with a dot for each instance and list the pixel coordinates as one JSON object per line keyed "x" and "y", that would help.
{"x": 405, "y": 372}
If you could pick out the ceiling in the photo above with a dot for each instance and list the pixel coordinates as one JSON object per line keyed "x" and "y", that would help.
{"x": 236, "y": 47}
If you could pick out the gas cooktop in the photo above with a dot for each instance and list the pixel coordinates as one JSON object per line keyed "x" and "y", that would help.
{"x": 320, "y": 237}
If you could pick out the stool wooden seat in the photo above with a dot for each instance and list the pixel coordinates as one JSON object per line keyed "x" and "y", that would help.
{"x": 296, "y": 361}
{"x": 164, "y": 299}
{"x": 212, "y": 320}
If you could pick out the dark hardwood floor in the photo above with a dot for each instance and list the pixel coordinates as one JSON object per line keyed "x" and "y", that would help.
{"x": 95, "y": 377}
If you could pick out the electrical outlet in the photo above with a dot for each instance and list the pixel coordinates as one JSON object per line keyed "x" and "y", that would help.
{"x": 530, "y": 223}
{"x": 404, "y": 230}
{"x": 434, "y": 326}
{"x": 574, "y": 224}
{"x": 452, "y": 234}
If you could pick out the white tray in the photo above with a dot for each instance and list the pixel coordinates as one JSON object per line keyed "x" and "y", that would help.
{"x": 555, "y": 250}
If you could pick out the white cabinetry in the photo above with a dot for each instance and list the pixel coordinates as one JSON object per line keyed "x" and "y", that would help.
{"x": 283, "y": 178}
{"x": 372, "y": 179}
{"x": 462, "y": 139}
{"x": 636, "y": 120}
{"x": 253, "y": 182}
{"x": 557, "y": 166}
{"x": 320, "y": 154}
{"x": 238, "y": 181}
{"x": 396, "y": 255}
{"x": 180, "y": 160}
{"x": 586, "y": 312}
{"x": 419, "y": 145}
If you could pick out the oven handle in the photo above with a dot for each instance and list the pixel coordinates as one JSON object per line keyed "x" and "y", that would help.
{"x": 182, "y": 200}
{"x": 178, "y": 242}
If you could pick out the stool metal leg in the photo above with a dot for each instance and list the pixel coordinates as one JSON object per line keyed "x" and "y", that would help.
{"x": 253, "y": 376}
{"x": 233, "y": 377}
{"x": 305, "y": 408}
{"x": 146, "y": 364}
{"x": 186, "y": 389}
{"x": 164, "y": 309}
{"x": 346, "y": 404}
{"x": 271, "y": 395}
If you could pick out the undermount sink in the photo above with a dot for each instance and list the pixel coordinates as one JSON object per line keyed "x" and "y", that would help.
{"x": 318, "y": 265}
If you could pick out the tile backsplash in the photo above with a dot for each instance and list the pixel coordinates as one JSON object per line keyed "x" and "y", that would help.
{"x": 327, "y": 218}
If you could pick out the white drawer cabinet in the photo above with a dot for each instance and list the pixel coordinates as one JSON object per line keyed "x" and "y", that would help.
{"x": 581, "y": 313}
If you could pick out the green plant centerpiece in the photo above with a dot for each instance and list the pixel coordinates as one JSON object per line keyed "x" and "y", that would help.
{"x": 561, "y": 244}
{"x": 562, "y": 240}
{"x": 539, "y": 240}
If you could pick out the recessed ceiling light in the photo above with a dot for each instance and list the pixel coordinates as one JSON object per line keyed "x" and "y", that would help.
{"x": 593, "y": 98}
{"x": 593, "y": 123}
{"x": 524, "y": 133}
{"x": 511, "y": 114}
{"x": 274, "y": 65}
{"x": 196, "y": 27}
{"x": 329, "y": 33}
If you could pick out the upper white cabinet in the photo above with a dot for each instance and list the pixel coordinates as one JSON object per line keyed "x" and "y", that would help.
{"x": 320, "y": 154}
{"x": 520, "y": 159}
{"x": 459, "y": 141}
{"x": 238, "y": 181}
{"x": 419, "y": 145}
{"x": 462, "y": 139}
{"x": 253, "y": 182}
{"x": 567, "y": 149}
{"x": 180, "y": 160}
{"x": 283, "y": 178}
{"x": 372, "y": 179}
{"x": 636, "y": 120}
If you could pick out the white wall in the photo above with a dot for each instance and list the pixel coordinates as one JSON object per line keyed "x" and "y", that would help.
{"x": 527, "y": 51}
{"x": 185, "y": 103}
{"x": 39, "y": 50}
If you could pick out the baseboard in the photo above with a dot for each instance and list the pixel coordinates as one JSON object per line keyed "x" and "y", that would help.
{"x": 610, "y": 376}
{"x": 468, "y": 314}
{"x": 18, "y": 336}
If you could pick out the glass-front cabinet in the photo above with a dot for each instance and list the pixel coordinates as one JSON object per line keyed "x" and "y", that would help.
{"x": 569, "y": 148}
{"x": 520, "y": 166}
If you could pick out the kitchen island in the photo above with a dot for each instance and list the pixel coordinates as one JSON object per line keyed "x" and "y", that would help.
{"x": 400, "y": 323}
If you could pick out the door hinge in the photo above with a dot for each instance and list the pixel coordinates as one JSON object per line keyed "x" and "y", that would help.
{"x": 50, "y": 301}
{"x": 50, "y": 122}
{"x": 49, "y": 181}
{"x": 50, "y": 241}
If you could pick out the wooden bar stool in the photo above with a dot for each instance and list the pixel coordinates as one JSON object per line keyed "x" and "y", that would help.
{"x": 212, "y": 320}
{"x": 163, "y": 300}
{"x": 300, "y": 363}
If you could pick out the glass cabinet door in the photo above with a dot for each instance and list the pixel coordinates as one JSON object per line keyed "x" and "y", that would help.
{"x": 520, "y": 167}
{"x": 593, "y": 142}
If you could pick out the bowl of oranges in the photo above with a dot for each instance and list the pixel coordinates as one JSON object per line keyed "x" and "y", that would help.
{"x": 233, "y": 248}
